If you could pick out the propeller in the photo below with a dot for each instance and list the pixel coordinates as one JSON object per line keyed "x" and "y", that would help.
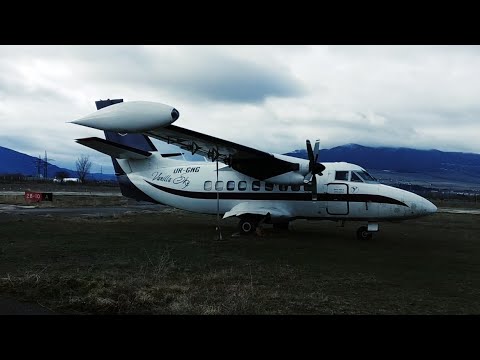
{"x": 314, "y": 167}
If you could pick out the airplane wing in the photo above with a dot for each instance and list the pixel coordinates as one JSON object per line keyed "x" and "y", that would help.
{"x": 249, "y": 161}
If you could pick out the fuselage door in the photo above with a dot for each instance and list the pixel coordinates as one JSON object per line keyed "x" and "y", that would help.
{"x": 337, "y": 195}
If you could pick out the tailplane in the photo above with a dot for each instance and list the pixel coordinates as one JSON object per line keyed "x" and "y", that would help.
{"x": 134, "y": 145}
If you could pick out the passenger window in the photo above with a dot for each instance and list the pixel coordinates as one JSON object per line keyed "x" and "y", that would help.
{"x": 268, "y": 186}
{"x": 242, "y": 185}
{"x": 231, "y": 185}
{"x": 341, "y": 175}
{"x": 219, "y": 185}
{"x": 256, "y": 185}
{"x": 295, "y": 187}
{"x": 207, "y": 186}
{"x": 355, "y": 178}
{"x": 283, "y": 187}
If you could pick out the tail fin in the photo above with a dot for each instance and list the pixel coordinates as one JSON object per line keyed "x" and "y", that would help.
{"x": 137, "y": 141}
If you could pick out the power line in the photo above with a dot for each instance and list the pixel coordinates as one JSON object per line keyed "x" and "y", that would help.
{"x": 42, "y": 166}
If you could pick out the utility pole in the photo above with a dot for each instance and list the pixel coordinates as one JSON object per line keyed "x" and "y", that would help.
{"x": 45, "y": 166}
{"x": 38, "y": 163}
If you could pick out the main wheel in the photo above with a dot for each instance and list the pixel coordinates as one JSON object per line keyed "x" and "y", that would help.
{"x": 247, "y": 226}
{"x": 363, "y": 233}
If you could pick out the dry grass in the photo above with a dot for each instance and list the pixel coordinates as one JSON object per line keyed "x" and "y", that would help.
{"x": 170, "y": 263}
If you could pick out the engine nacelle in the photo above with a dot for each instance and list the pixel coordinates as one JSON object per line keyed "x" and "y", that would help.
{"x": 289, "y": 178}
{"x": 131, "y": 117}
{"x": 293, "y": 177}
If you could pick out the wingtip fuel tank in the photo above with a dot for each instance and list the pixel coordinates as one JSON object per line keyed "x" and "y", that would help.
{"x": 131, "y": 117}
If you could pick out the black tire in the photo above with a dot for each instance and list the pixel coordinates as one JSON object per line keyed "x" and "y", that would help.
{"x": 247, "y": 226}
{"x": 363, "y": 233}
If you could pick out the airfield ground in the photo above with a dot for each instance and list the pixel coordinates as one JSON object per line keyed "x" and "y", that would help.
{"x": 169, "y": 262}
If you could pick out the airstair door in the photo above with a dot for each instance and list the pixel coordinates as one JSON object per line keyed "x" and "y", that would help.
{"x": 337, "y": 195}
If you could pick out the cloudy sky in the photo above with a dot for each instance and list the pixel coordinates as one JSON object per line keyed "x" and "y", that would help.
{"x": 268, "y": 97}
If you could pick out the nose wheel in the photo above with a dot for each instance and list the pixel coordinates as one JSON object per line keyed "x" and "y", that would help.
{"x": 366, "y": 232}
{"x": 363, "y": 233}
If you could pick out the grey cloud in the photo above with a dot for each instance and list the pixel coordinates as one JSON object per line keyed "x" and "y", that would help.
{"x": 14, "y": 85}
{"x": 193, "y": 71}
{"x": 272, "y": 98}
{"x": 237, "y": 81}
{"x": 18, "y": 144}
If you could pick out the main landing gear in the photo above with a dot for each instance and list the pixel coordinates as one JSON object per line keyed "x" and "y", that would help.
{"x": 247, "y": 226}
{"x": 366, "y": 232}
{"x": 251, "y": 224}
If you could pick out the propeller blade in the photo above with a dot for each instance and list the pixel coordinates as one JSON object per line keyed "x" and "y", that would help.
{"x": 316, "y": 150}
{"x": 313, "y": 166}
{"x": 309, "y": 151}
{"x": 314, "y": 187}
{"x": 319, "y": 169}
{"x": 308, "y": 178}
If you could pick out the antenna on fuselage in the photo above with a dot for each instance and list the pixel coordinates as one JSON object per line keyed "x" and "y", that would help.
{"x": 219, "y": 231}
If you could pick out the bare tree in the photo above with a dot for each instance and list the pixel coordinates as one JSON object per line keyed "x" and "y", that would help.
{"x": 83, "y": 167}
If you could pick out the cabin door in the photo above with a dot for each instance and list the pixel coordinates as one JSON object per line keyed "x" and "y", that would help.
{"x": 337, "y": 195}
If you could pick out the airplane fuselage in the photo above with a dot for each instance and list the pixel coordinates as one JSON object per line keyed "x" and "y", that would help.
{"x": 253, "y": 185}
{"x": 341, "y": 195}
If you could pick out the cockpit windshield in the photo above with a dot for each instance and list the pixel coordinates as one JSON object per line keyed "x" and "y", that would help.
{"x": 355, "y": 177}
{"x": 365, "y": 176}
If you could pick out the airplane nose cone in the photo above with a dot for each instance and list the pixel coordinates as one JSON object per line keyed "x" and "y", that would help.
{"x": 429, "y": 207}
{"x": 425, "y": 207}
{"x": 418, "y": 206}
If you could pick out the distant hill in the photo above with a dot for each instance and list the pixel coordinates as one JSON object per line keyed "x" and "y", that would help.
{"x": 399, "y": 159}
{"x": 14, "y": 162}
{"x": 454, "y": 170}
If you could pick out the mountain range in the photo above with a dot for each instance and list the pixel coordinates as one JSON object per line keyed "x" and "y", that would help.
{"x": 14, "y": 162}
{"x": 431, "y": 168}
{"x": 404, "y": 160}
{"x": 428, "y": 168}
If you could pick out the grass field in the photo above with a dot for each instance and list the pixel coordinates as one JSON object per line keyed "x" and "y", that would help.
{"x": 171, "y": 263}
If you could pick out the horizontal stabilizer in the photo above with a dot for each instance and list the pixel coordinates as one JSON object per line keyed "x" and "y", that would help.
{"x": 118, "y": 151}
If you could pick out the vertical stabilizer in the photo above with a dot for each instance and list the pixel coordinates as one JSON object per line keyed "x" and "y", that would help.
{"x": 138, "y": 141}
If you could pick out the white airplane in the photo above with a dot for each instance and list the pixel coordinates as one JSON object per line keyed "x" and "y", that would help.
{"x": 253, "y": 185}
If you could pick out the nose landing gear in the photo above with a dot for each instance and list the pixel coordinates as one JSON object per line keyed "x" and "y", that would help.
{"x": 363, "y": 233}
{"x": 366, "y": 232}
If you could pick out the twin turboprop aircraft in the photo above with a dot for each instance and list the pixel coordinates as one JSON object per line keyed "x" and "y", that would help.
{"x": 253, "y": 185}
